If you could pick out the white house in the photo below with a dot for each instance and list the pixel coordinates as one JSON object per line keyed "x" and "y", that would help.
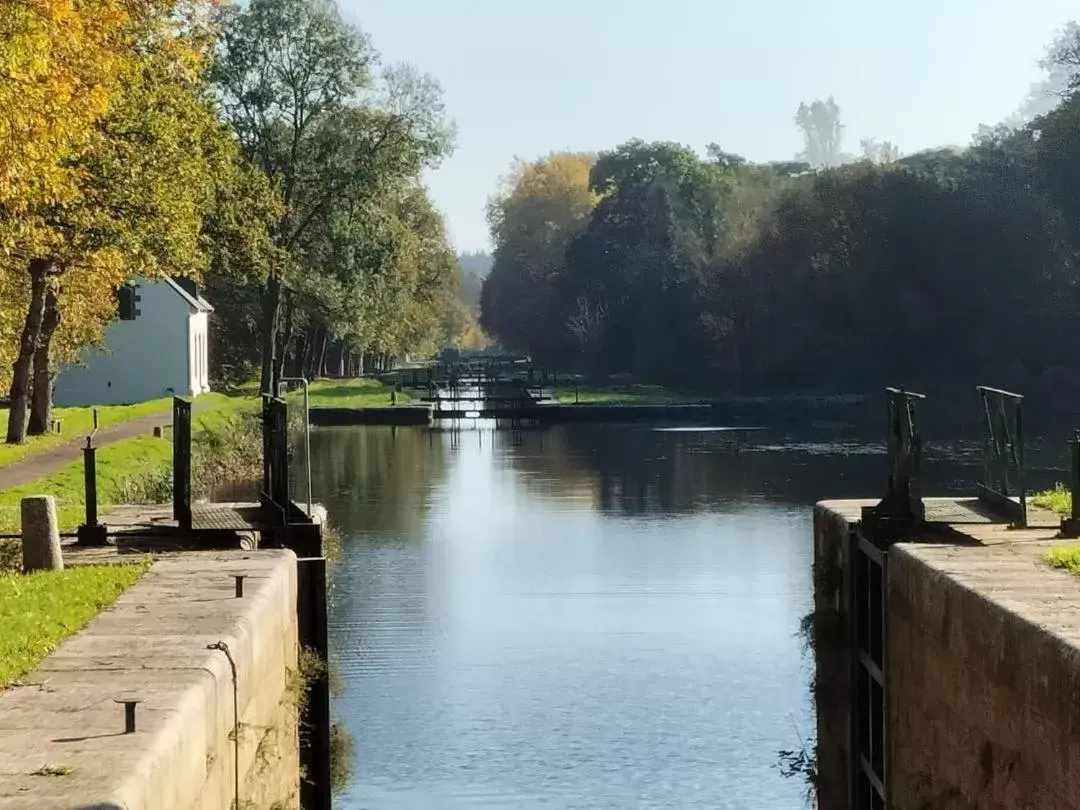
{"x": 158, "y": 348}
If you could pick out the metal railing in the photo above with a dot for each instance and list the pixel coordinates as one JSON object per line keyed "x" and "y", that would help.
{"x": 1002, "y": 484}
{"x": 901, "y": 510}
{"x": 307, "y": 433}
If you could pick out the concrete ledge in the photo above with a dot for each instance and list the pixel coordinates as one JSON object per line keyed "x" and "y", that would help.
{"x": 343, "y": 417}
{"x": 556, "y": 413}
{"x": 152, "y": 646}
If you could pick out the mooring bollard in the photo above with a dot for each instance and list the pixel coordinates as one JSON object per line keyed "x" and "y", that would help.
{"x": 129, "y": 713}
{"x": 40, "y": 534}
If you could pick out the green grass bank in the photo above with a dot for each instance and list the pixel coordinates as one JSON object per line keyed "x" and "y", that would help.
{"x": 38, "y": 611}
{"x": 78, "y": 422}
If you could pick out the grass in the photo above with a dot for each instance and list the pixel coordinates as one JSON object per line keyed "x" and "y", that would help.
{"x": 38, "y": 611}
{"x": 363, "y": 392}
{"x": 77, "y": 422}
{"x": 1066, "y": 558}
{"x": 622, "y": 395}
{"x": 1058, "y": 499}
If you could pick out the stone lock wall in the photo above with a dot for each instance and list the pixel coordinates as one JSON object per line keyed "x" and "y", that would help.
{"x": 984, "y": 705}
{"x": 152, "y": 646}
{"x": 982, "y": 668}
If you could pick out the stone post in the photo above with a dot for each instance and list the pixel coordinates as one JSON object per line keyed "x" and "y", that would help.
{"x": 40, "y": 535}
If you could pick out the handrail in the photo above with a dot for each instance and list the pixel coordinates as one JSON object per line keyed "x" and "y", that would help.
{"x": 1003, "y": 453}
{"x": 307, "y": 434}
{"x": 901, "y": 511}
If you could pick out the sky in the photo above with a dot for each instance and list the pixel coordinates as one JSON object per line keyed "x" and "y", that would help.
{"x": 523, "y": 78}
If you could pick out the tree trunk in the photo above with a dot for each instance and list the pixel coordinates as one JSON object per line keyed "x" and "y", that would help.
{"x": 271, "y": 315}
{"x": 320, "y": 368}
{"x": 20, "y": 376}
{"x": 300, "y": 353}
{"x": 285, "y": 337}
{"x": 44, "y": 373}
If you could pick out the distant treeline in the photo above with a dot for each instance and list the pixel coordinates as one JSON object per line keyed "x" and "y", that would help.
{"x": 943, "y": 266}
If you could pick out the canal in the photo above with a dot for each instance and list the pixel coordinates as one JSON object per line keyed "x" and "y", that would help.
{"x": 584, "y": 617}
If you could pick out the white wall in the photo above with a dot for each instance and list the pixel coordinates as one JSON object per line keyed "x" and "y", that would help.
{"x": 198, "y": 335}
{"x": 143, "y": 359}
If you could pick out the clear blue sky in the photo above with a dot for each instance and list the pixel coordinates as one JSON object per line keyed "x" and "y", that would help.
{"x": 523, "y": 78}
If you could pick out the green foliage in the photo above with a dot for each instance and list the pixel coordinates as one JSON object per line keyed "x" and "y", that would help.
{"x": 362, "y": 262}
{"x": 38, "y": 611}
{"x": 720, "y": 274}
{"x": 342, "y": 756}
{"x": 1058, "y": 499}
{"x": 1065, "y": 557}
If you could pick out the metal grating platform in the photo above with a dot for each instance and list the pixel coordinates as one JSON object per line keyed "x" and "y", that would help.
{"x": 224, "y": 518}
{"x": 971, "y": 511}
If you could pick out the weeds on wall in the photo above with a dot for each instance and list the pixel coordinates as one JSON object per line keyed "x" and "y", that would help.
{"x": 820, "y": 632}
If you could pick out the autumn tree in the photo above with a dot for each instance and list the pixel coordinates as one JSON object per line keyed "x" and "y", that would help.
{"x": 133, "y": 203}
{"x": 60, "y": 62}
{"x": 541, "y": 207}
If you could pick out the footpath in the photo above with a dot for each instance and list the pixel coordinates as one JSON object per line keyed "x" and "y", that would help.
{"x": 38, "y": 465}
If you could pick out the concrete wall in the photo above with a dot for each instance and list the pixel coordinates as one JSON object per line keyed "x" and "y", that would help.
{"x": 984, "y": 704}
{"x": 143, "y": 358}
{"x": 832, "y": 657}
{"x": 152, "y": 645}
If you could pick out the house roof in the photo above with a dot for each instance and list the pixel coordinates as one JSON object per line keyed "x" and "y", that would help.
{"x": 196, "y": 302}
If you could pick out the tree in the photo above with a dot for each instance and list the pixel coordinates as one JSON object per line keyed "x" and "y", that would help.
{"x": 294, "y": 83}
{"x": 541, "y": 207}
{"x": 139, "y": 185}
{"x": 822, "y": 132}
{"x": 59, "y": 64}
{"x": 634, "y": 276}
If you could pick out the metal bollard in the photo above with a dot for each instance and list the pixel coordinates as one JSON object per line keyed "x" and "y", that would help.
{"x": 129, "y": 713}
{"x": 91, "y": 533}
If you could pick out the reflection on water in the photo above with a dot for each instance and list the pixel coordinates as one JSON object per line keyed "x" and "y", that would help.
{"x": 587, "y": 617}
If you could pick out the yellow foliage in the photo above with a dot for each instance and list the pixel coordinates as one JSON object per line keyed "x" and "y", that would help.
{"x": 552, "y": 191}
{"x": 109, "y": 153}
{"x": 59, "y": 61}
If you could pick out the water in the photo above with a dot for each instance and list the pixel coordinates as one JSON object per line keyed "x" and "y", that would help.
{"x": 588, "y": 617}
